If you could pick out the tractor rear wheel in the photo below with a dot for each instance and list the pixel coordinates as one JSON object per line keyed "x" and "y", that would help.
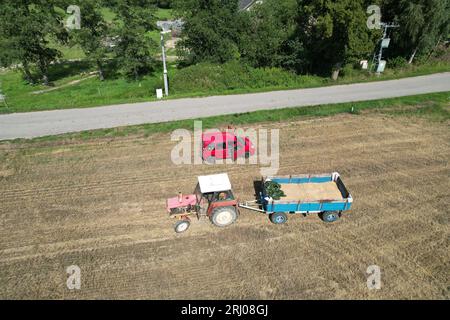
{"x": 223, "y": 216}
{"x": 182, "y": 226}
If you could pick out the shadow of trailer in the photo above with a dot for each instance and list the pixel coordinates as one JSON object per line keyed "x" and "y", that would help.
{"x": 323, "y": 194}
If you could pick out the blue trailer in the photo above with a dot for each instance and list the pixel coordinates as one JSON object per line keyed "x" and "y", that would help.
{"x": 323, "y": 194}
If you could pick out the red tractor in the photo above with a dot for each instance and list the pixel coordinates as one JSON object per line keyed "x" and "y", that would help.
{"x": 212, "y": 198}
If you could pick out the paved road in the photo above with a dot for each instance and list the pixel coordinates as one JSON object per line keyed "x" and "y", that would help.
{"x": 44, "y": 123}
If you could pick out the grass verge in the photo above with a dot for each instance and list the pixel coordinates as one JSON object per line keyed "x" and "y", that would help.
{"x": 435, "y": 107}
{"x": 196, "y": 81}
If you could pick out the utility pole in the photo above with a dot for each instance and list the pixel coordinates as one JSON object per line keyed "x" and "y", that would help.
{"x": 166, "y": 27}
{"x": 384, "y": 44}
{"x": 166, "y": 80}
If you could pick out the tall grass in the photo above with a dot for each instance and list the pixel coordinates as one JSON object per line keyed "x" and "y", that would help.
{"x": 234, "y": 76}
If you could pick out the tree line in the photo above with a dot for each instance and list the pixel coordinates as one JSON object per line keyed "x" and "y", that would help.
{"x": 305, "y": 36}
{"x": 28, "y": 26}
{"x": 308, "y": 36}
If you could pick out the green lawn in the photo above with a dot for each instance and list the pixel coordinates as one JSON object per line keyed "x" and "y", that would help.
{"x": 90, "y": 92}
{"x": 195, "y": 81}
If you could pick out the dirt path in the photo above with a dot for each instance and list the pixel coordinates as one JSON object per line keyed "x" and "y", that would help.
{"x": 71, "y": 83}
{"x": 100, "y": 205}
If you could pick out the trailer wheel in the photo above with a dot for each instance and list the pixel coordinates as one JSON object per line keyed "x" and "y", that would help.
{"x": 278, "y": 218}
{"x": 329, "y": 217}
{"x": 223, "y": 216}
{"x": 182, "y": 226}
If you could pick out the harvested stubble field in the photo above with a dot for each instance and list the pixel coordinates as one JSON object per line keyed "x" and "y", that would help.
{"x": 100, "y": 205}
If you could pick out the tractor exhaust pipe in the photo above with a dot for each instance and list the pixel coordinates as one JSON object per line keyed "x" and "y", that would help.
{"x": 180, "y": 197}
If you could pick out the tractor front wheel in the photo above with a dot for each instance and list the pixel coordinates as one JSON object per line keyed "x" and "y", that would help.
{"x": 182, "y": 226}
{"x": 223, "y": 216}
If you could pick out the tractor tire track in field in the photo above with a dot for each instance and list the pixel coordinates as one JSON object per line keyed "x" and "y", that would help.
{"x": 148, "y": 176}
{"x": 100, "y": 205}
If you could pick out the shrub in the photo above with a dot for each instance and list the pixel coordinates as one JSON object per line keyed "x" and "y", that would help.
{"x": 351, "y": 70}
{"x": 397, "y": 63}
{"x": 235, "y": 75}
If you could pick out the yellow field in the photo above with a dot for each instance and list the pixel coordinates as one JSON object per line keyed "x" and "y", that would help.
{"x": 101, "y": 205}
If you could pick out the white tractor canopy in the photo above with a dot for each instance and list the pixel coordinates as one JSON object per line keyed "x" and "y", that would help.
{"x": 214, "y": 183}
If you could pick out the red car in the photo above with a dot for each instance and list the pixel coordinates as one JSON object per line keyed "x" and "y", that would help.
{"x": 225, "y": 145}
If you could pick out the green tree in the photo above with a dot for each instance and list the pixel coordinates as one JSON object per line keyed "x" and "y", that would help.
{"x": 423, "y": 24}
{"x": 269, "y": 26}
{"x": 9, "y": 53}
{"x": 330, "y": 33}
{"x": 135, "y": 18}
{"x": 166, "y": 4}
{"x": 93, "y": 33}
{"x": 211, "y": 31}
{"x": 26, "y": 27}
